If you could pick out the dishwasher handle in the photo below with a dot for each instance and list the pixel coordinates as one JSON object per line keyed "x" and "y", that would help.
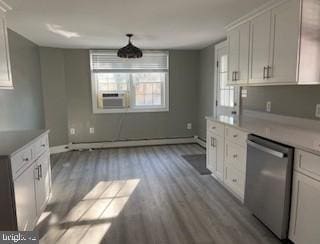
{"x": 267, "y": 150}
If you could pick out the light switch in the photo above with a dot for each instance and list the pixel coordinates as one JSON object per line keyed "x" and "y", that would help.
{"x": 268, "y": 107}
{"x": 72, "y": 131}
{"x": 91, "y": 130}
{"x": 189, "y": 126}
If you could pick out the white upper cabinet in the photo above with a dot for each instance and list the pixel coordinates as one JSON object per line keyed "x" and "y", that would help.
{"x": 238, "y": 49}
{"x": 5, "y": 69}
{"x": 233, "y": 52}
{"x": 284, "y": 44}
{"x": 260, "y": 43}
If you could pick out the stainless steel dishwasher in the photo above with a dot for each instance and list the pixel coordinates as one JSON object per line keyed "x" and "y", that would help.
{"x": 268, "y": 183}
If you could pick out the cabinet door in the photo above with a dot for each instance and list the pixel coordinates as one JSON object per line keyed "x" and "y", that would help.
{"x": 260, "y": 45}
{"x": 244, "y": 45}
{"x": 215, "y": 147}
{"x": 305, "y": 214}
{"x": 211, "y": 153}
{"x": 25, "y": 200}
{"x": 5, "y": 70}
{"x": 285, "y": 42}
{"x": 233, "y": 53}
{"x": 42, "y": 182}
{"x": 219, "y": 143}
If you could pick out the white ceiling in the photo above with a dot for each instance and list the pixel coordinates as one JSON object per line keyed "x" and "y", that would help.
{"x": 157, "y": 24}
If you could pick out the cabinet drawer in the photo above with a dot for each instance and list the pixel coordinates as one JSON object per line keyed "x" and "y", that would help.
{"x": 236, "y": 136}
{"x": 20, "y": 161}
{"x": 40, "y": 146}
{"x": 307, "y": 163}
{"x": 234, "y": 179}
{"x": 215, "y": 128}
{"x": 236, "y": 155}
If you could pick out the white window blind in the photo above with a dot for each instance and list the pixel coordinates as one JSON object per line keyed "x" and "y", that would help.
{"x": 109, "y": 61}
{"x": 142, "y": 83}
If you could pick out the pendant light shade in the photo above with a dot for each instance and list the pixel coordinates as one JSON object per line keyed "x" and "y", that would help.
{"x": 130, "y": 51}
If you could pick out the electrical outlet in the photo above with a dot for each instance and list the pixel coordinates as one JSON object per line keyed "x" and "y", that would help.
{"x": 189, "y": 126}
{"x": 91, "y": 130}
{"x": 268, "y": 107}
{"x": 318, "y": 111}
{"x": 72, "y": 131}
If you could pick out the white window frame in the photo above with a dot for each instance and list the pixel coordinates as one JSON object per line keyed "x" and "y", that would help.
{"x": 131, "y": 108}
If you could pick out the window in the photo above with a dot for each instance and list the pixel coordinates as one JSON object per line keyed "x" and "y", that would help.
{"x": 129, "y": 85}
{"x": 226, "y": 92}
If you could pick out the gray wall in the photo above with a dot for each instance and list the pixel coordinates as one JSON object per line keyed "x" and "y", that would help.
{"x": 22, "y": 107}
{"x": 298, "y": 101}
{"x": 205, "y": 88}
{"x": 184, "y": 73}
{"x": 54, "y": 95}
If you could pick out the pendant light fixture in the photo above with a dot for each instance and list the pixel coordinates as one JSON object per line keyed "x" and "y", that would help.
{"x": 129, "y": 51}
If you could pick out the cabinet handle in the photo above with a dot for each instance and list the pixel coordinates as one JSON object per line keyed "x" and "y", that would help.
{"x": 213, "y": 127}
{"x": 235, "y": 156}
{"x": 25, "y": 159}
{"x": 235, "y": 136}
{"x": 233, "y": 76}
{"x": 214, "y": 142}
{"x": 236, "y": 75}
{"x": 40, "y": 171}
{"x": 265, "y": 69}
{"x": 269, "y": 69}
{"x": 234, "y": 180}
{"x": 43, "y": 145}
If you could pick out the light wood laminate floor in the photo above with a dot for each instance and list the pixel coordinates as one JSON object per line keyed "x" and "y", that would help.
{"x": 142, "y": 195}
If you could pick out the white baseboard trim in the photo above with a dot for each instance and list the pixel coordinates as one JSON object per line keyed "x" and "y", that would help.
{"x": 199, "y": 141}
{"x": 59, "y": 149}
{"x": 134, "y": 143}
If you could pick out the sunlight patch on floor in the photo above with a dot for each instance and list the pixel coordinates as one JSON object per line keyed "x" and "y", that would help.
{"x": 91, "y": 218}
{"x": 43, "y": 216}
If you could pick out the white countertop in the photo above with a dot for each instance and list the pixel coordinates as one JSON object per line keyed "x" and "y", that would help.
{"x": 298, "y": 133}
{"x": 12, "y": 141}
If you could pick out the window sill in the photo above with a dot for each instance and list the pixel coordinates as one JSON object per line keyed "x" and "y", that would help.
{"x": 130, "y": 110}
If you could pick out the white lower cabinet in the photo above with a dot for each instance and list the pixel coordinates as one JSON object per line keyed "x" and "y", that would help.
{"x": 42, "y": 182}
{"x": 305, "y": 214}
{"x": 235, "y": 180}
{"x": 235, "y": 166}
{"x": 226, "y": 156}
{"x": 32, "y": 184}
{"x": 215, "y": 147}
{"x": 25, "y": 200}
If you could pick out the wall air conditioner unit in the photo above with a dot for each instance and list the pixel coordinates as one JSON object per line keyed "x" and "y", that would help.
{"x": 114, "y": 100}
